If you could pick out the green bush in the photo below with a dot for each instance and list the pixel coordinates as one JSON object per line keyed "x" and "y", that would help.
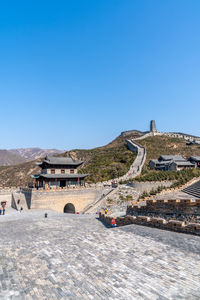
{"x": 109, "y": 200}
{"x": 185, "y": 175}
{"x": 121, "y": 197}
{"x": 129, "y": 198}
{"x": 107, "y": 163}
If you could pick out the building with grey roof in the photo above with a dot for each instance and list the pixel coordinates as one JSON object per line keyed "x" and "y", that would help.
{"x": 59, "y": 161}
{"x": 171, "y": 163}
{"x": 171, "y": 157}
{"x": 59, "y": 172}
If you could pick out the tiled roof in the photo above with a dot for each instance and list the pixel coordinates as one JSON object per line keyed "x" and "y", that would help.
{"x": 63, "y": 176}
{"x": 172, "y": 157}
{"x": 52, "y": 160}
{"x": 183, "y": 163}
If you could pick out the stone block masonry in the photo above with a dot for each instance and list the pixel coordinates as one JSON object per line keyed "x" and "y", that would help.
{"x": 56, "y": 200}
{"x": 173, "y": 225}
{"x": 185, "y": 207}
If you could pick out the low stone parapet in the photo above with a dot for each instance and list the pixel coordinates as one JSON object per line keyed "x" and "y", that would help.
{"x": 193, "y": 227}
{"x": 143, "y": 220}
{"x": 157, "y": 222}
{"x": 173, "y": 225}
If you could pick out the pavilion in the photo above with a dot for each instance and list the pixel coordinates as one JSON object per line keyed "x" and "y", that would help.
{"x": 59, "y": 172}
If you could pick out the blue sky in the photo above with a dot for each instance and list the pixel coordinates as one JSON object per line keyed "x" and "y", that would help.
{"x": 74, "y": 74}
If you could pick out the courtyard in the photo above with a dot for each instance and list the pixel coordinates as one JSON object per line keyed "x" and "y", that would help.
{"x": 68, "y": 256}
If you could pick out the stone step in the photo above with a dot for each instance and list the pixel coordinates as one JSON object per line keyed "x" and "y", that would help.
{"x": 193, "y": 189}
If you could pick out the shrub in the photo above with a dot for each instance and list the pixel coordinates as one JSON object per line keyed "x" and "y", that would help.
{"x": 129, "y": 197}
{"x": 185, "y": 175}
{"x": 121, "y": 197}
{"x": 109, "y": 200}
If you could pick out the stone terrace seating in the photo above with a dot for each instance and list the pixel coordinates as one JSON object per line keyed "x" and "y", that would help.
{"x": 193, "y": 189}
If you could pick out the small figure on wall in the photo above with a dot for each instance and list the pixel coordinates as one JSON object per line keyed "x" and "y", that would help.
{"x": 3, "y": 204}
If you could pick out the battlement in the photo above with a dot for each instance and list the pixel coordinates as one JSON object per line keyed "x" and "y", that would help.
{"x": 165, "y": 208}
{"x": 173, "y": 225}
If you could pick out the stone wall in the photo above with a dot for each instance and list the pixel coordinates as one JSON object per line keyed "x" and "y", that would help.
{"x": 174, "y": 225}
{"x": 167, "y": 207}
{"x": 56, "y": 200}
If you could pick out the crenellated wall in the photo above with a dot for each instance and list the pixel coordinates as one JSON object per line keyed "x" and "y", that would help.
{"x": 167, "y": 207}
{"x": 174, "y": 225}
{"x": 178, "y": 215}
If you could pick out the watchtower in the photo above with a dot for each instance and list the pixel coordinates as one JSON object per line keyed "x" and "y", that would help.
{"x": 153, "y": 126}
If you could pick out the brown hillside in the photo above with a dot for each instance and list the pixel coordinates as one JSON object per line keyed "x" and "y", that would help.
{"x": 7, "y": 158}
{"x": 107, "y": 162}
{"x": 18, "y": 175}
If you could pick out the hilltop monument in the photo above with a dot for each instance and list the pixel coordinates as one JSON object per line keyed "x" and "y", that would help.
{"x": 153, "y": 126}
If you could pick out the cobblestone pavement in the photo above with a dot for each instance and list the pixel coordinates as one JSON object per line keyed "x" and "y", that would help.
{"x": 76, "y": 257}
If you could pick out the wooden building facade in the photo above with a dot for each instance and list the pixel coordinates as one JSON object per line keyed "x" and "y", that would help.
{"x": 58, "y": 172}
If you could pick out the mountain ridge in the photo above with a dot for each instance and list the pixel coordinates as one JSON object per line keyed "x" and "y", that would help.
{"x": 34, "y": 152}
{"x": 13, "y": 157}
{"x": 8, "y": 158}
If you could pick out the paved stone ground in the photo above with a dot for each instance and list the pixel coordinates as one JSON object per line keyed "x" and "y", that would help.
{"x": 76, "y": 257}
{"x": 174, "y": 195}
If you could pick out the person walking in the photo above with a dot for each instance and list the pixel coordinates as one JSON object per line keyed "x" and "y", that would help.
{"x": 113, "y": 223}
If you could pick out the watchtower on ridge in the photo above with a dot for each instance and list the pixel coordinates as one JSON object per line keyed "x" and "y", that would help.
{"x": 153, "y": 126}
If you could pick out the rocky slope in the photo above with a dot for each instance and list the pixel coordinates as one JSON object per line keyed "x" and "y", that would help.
{"x": 34, "y": 153}
{"x": 8, "y": 158}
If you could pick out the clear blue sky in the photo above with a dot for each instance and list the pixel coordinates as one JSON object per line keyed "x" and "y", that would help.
{"x": 74, "y": 74}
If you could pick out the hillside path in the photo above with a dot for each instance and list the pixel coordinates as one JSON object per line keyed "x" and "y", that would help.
{"x": 135, "y": 170}
{"x": 137, "y": 165}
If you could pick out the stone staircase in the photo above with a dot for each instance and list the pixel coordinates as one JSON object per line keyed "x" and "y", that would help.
{"x": 193, "y": 190}
{"x": 93, "y": 207}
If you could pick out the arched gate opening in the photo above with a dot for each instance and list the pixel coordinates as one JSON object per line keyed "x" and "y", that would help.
{"x": 69, "y": 208}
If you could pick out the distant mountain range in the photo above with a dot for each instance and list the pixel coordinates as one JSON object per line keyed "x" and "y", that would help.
{"x": 17, "y": 156}
{"x": 8, "y": 158}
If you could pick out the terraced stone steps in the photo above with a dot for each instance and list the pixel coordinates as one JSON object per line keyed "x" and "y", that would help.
{"x": 92, "y": 208}
{"x": 193, "y": 190}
